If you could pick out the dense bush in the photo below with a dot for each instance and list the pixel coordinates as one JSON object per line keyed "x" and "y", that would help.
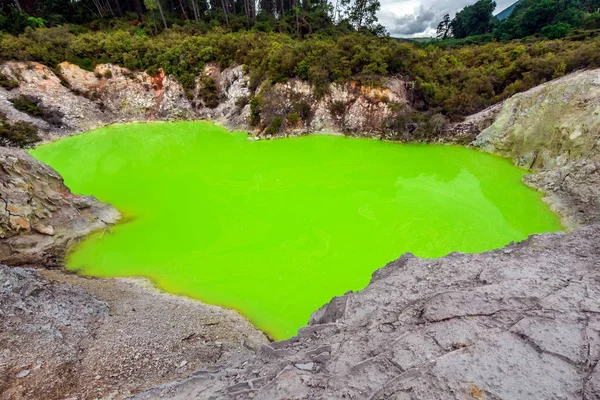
{"x": 7, "y": 83}
{"x": 550, "y": 18}
{"x": 19, "y": 134}
{"x": 452, "y": 80}
{"x": 275, "y": 126}
{"x": 28, "y": 105}
{"x": 33, "y": 106}
{"x": 209, "y": 92}
{"x": 254, "y": 111}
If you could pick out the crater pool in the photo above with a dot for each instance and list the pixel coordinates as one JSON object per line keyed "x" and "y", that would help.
{"x": 275, "y": 229}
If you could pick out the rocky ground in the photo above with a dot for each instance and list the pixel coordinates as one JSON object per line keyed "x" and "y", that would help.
{"x": 517, "y": 323}
{"x": 67, "y": 336}
{"x": 522, "y": 322}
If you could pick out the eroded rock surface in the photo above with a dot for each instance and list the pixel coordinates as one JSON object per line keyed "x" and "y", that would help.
{"x": 110, "y": 94}
{"x": 522, "y": 322}
{"x": 554, "y": 130}
{"x": 550, "y": 125}
{"x": 42, "y": 328}
{"x": 39, "y": 216}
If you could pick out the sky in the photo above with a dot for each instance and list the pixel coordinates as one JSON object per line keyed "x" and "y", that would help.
{"x": 419, "y": 18}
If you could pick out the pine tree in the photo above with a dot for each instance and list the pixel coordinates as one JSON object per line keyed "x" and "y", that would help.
{"x": 443, "y": 28}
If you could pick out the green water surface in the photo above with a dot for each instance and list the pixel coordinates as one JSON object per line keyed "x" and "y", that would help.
{"x": 276, "y": 228}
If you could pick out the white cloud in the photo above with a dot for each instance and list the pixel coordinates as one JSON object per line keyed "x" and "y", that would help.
{"x": 419, "y": 18}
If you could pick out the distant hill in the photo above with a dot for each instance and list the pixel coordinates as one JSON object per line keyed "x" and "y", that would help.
{"x": 416, "y": 39}
{"x": 502, "y": 15}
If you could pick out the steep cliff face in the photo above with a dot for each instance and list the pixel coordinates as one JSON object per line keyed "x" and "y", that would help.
{"x": 78, "y": 113}
{"x": 554, "y": 130}
{"x": 86, "y": 100}
{"x": 39, "y": 216}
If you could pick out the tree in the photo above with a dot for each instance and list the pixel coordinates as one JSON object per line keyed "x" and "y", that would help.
{"x": 362, "y": 13}
{"x": 152, "y": 5}
{"x": 225, "y": 11}
{"x": 476, "y": 19}
{"x": 443, "y": 28}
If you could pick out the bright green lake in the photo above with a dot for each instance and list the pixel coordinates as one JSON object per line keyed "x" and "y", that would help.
{"x": 276, "y": 228}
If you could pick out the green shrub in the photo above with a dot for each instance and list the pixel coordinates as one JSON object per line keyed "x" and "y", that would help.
{"x": 33, "y": 106}
{"x": 209, "y": 92}
{"x": 254, "y": 111}
{"x": 8, "y": 83}
{"x": 274, "y": 127}
{"x": 293, "y": 119}
{"x": 28, "y": 105}
{"x": 451, "y": 77}
{"x": 20, "y": 134}
{"x": 556, "y": 31}
{"x": 303, "y": 110}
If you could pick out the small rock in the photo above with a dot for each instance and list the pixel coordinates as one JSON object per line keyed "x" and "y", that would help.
{"x": 44, "y": 229}
{"x": 23, "y": 374}
{"x": 305, "y": 366}
{"x": 19, "y": 223}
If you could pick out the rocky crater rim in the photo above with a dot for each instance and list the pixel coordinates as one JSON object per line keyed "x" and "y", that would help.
{"x": 434, "y": 328}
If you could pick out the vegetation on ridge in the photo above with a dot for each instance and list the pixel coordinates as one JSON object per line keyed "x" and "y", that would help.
{"x": 315, "y": 41}
{"x": 453, "y": 81}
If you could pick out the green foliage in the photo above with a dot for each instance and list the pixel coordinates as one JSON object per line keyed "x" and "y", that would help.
{"x": 550, "y": 18}
{"x": 14, "y": 21}
{"x": 20, "y": 134}
{"x": 209, "y": 92}
{"x": 476, "y": 19}
{"x": 8, "y": 83}
{"x": 556, "y": 31}
{"x": 275, "y": 126}
{"x": 254, "y": 111}
{"x": 293, "y": 119}
{"x": 108, "y": 74}
{"x": 302, "y": 109}
{"x": 337, "y": 108}
{"x": 362, "y": 13}
{"x": 33, "y": 106}
{"x": 28, "y": 105}
{"x": 36, "y": 22}
{"x": 454, "y": 77}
